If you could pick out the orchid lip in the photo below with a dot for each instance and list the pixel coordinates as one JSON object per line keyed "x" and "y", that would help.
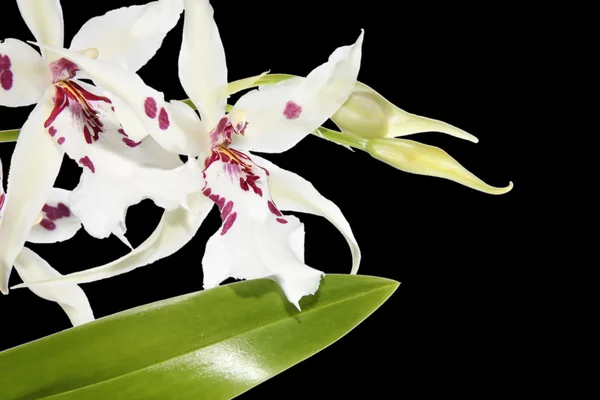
{"x": 70, "y": 94}
{"x": 234, "y": 163}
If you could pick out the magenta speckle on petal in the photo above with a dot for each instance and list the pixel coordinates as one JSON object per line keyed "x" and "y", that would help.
{"x": 163, "y": 119}
{"x": 282, "y": 221}
{"x": 63, "y": 69}
{"x": 244, "y": 185}
{"x": 47, "y": 224}
{"x": 60, "y": 140}
{"x": 274, "y": 209}
{"x": 226, "y": 210}
{"x": 4, "y": 62}
{"x": 228, "y": 223}
{"x": 86, "y": 162}
{"x": 58, "y": 212}
{"x": 6, "y": 75}
{"x": 52, "y": 131}
{"x": 87, "y": 135}
{"x": 6, "y": 79}
{"x": 150, "y": 107}
{"x": 292, "y": 110}
{"x": 251, "y": 180}
{"x": 131, "y": 143}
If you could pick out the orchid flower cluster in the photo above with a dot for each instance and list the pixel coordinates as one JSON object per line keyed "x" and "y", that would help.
{"x": 128, "y": 139}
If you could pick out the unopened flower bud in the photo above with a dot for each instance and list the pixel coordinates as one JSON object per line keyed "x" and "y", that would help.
{"x": 422, "y": 159}
{"x": 368, "y": 114}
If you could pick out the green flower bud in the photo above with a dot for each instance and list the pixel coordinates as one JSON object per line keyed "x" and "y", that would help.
{"x": 422, "y": 159}
{"x": 368, "y": 114}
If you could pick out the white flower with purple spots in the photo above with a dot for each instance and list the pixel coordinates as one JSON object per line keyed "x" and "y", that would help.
{"x": 120, "y": 165}
{"x": 55, "y": 223}
{"x": 256, "y": 239}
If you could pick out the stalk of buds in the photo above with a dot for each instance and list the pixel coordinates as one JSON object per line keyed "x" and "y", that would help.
{"x": 370, "y": 118}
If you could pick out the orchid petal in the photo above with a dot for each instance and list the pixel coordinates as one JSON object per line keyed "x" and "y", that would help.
{"x": 202, "y": 66}
{"x": 186, "y": 118}
{"x": 45, "y": 21}
{"x": 280, "y": 116}
{"x": 175, "y": 229}
{"x": 71, "y": 298}
{"x": 2, "y": 192}
{"x": 294, "y": 193}
{"x": 265, "y": 241}
{"x": 368, "y": 114}
{"x": 422, "y": 159}
{"x": 24, "y": 75}
{"x": 101, "y": 199}
{"x": 129, "y": 36}
{"x": 34, "y": 166}
{"x": 58, "y": 222}
{"x": 262, "y": 250}
{"x": 127, "y": 117}
{"x": 117, "y": 171}
{"x": 147, "y": 104}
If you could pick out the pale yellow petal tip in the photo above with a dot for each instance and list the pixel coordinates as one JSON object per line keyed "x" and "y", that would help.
{"x": 471, "y": 138}
{"x": 504, "y": 190}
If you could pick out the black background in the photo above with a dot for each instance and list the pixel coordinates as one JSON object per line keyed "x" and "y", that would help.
{"x": 451, "y": 325}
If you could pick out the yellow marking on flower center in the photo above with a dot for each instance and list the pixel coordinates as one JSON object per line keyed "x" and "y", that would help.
{"x": 90, "y": 53}
{"x": 234, "y": 155}
{"x": 66, "y": 85}
{"x": 237, "y": 116}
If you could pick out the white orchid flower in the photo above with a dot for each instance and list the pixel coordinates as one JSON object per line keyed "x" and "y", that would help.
{"x": 55, "y": 223}
{"x": 256, "y": 240}
{"x": 119, "y": 169}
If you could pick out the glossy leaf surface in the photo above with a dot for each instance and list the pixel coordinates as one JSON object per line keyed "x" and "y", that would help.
{"x": 213, "y": 344}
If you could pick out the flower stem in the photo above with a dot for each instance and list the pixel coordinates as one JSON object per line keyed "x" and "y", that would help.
{"x": 341, "y": 138}
{"x": 9, "y": 136}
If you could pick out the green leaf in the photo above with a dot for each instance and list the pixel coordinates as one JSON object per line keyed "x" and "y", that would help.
{"x": 214, "y": 344}
{"x": 9, "y": 136}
